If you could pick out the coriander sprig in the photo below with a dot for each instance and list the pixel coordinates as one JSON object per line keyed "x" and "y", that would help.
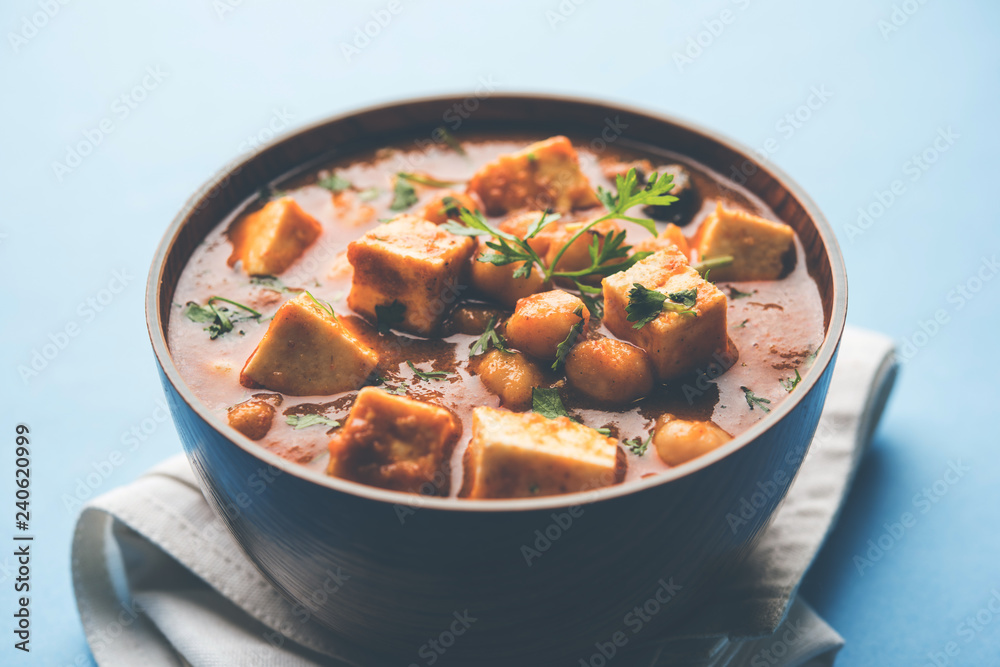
{"x": 645, "y": 305}
{"x": 509, "y": 248}
{"x": 563, "y": 349}
{"x": 220, "y": 322}
{"x": 489, "y": 337}
{"x": 427, "y": 375}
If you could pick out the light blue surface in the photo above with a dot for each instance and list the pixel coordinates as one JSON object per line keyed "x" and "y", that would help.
{"x": 226, "y": 77}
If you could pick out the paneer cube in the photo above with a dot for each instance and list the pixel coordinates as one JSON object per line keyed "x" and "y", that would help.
{"x": 395, "y": 442}
{"x": 545, "y": 175}
{"x": 253, "y": 416}
{"x": 675, "y": 342}
{"x": 307, "y": 351}
{"x": 760, "y": 248}
{"x": 671, "y": 235}
{"x": 268, "y": 241}
{"x": 678, "y": 441}
{"x": 542, "y": 321}
{"x": 523, "y": 454}
{"x": 413, "y": 262}
{"x": 447, "y": 205}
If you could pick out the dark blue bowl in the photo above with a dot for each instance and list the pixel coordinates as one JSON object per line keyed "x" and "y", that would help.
{"x": 543, "y": 578}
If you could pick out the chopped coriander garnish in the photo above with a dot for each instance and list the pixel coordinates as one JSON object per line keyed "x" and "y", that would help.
{"x": 533, "y": 489}
{"x": 450, "y": 206}
{"x": 737, "y": 294}
{"x": 753, "y": 400}
{"x": 645, "y": 305}
{"x": 219, "y": 318}
{"x": 325, "y": 306}
{"x": 398, "y": 391}
{"x": 637, "y": 445}
{"x": 368, "y": 194}
{"x": 791, "y": 383}
{"x": 547, "y": 403}
{"x": 334, "y": 183}
{"x": 706, "y": 265}
{"x": 605, "y": 431}
{"x": 305, "y": 421}
{"x": 388, "y": 316}
{"x": 450, "y": 139}
{"x": 741, "y": 324}
{"x": 510, "y": 248}
{"x": 426, "y": 180}
{"x": 588, "y": 296}
{"x": 567, "y": 344}
{"x": 403, "y": 195}
{"x": 270, "y": 282}
{"x": 687, "y": 298}
{"x": 489, "y": 337}
{"x": 427, "y": 375}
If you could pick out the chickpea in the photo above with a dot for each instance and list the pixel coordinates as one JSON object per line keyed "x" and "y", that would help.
{"x": 609, "y": 371}
{"x": 678, "y": 441}
{"x": 542, "y": 321}
{"x": 511, "y": 377}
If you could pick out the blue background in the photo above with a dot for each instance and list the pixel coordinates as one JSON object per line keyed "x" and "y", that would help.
{"x": 230, "y": 70}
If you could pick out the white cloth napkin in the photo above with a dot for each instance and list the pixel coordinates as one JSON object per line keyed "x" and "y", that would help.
{"x": 159, "y": 581}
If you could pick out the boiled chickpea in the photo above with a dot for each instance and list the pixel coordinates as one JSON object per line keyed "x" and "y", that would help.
{"x": 609, "y": 370}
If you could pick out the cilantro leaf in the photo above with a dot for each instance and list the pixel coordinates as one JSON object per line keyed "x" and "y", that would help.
{"x": 567, "y": 344}
{"x": 334, "y": 183}
{"x": 298, "y": 422}
{"x": 219, "y": 318}
{"x": 687, "y": 298}
{"x": 706, "y": 265}
{"x": 450, "y": 139}
{"x": 489, "y": 337}
{"x": 588, "y": 296}
{"x": 427, "y": 375}
{"x": 429, "y": 181}
{"x": 755, "y": 400}
{"x": 737, "y": 294}
{"x": 388, "y": 316}
{"x": 403, "y": 195}
{"x": 791, "y": 383}
{"x": 637, "y": 445}
{"x": 272, "y": 283}
{"x": 547, "y": 403}
{"x": 369, "y": 194}
{"x": 645, "y": 305}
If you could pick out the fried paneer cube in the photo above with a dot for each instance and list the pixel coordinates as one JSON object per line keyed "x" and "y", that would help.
{"x": 545, "y": 175}
{"x": 307, "y": 351}
{"x": 269, "y": 240}
{"x": 670, "y": 235}
{"x": 412, "y": 262}
{"x": 523, "y": 454}
{"x": 542, "y": 321}
{"x": 759, "y": 247}
{"x": 675, "y": 342}
{"x": 395, "y": 442}
{"x": 678, "y": 441}
{"x": 253, "y": 417}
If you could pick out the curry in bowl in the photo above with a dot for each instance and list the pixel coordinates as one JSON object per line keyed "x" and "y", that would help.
{"x": 498, "y": 317}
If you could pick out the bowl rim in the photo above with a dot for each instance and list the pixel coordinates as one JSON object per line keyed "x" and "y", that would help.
{"x": 824, "y": 357}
